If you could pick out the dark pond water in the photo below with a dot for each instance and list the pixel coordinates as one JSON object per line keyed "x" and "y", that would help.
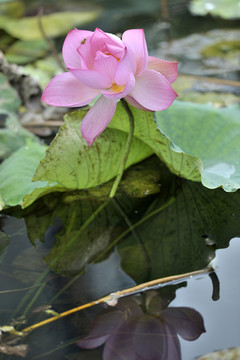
{"x": 53, "y": 257}
{"x": 185, "y": 318}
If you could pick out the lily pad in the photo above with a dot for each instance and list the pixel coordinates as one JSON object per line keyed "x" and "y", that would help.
{"x": 226, "y": 9}
{"x": 212, "y": 135}
{"x": 43, "y": 70}
{"x": 72, "y": 164}
{"x": 17, "y": 171}
{"x": 22, "y": 52}
{"x": 12, "y": 134}
{"x": 202, "y": 53}
{"x": 228, "y": 354}
{"x": 54, "y": 24}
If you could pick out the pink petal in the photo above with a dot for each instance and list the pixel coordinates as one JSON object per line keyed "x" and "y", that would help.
{"x": 93, "y": 78}
{"x": 117, "y": 51}
{"x": 99, "y": 38}
{"x": 97, "y": 119}
{"x": 66, "y": 90}
{"x": 105, "y": 64}
{"x": 166, "y": 68}
{"x": 86, "y": 54}
{"x": 119, "y": 92}
{"x": 126, "y": 66}
{"x": 135, "y": 40}
{"x": 134, "y": 103}
{"x": 153, "y": 91}
{"x": 70, "y": 45}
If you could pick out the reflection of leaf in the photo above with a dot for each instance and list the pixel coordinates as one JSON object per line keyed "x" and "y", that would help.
{"x": 4, "y": 242}
{"x": 226, "y": 9}
{"x": 54, "y": 24}
{"x": 61, "y": 221}
{"x": 76, "y": 244}
{"x": 29, "y": 265}
{"x": 211, "y": 134}
{"x": 176, "y": 237}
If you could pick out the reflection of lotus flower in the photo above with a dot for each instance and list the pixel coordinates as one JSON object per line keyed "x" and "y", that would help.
{"x": 102, "y": 64}
{"x": 129, "y": 333}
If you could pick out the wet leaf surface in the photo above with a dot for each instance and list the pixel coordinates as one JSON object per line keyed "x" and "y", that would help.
{"x": 209, "y": 133}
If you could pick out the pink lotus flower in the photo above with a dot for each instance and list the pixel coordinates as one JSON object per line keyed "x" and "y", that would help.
{"x": 102, "y": 64}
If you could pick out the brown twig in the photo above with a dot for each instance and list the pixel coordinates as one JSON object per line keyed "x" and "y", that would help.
{"x": 213, "y": 80}
{"x": 49, "y": 42}
{"x": 112, "y": 298}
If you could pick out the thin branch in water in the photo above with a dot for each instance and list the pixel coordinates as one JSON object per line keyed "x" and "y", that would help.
{"x": 112, "y": 298}
{"x": 18, "y": 290}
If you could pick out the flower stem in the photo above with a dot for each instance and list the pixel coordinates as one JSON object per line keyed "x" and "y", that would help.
{"x": 126, "y": 151}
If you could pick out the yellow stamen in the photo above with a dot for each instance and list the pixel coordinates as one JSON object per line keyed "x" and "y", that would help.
{"x": 117, "y": 88}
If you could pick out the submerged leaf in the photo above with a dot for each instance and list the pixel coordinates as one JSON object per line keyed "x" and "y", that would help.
{"x": 4, "y": 241}
{"x": 176, "y": 238}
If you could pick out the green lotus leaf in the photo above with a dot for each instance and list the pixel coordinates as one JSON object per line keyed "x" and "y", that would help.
{"x": 226, "y": 9}
{"x": 55, "y": 24}
{"x": 210, "y": 134}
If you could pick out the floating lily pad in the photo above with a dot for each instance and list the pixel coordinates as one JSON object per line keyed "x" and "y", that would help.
{"x": 17, "y": 171}
{"x": 14, "y": 8}
{"x": 210, "y": 134}
{"x": 54, "y": 24}
{"x": 68, "y": 165}
{"x": 70, "y": 162}
{"x": 146, "y": 130}
{"x": 226, "y": 9}
{"x": 43, "y": 70}
{"x": 228, "y": 354}
{"x": 22, "y": 52}
{"x": 193, "y": 57}
{"x": 12, "y": 134}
